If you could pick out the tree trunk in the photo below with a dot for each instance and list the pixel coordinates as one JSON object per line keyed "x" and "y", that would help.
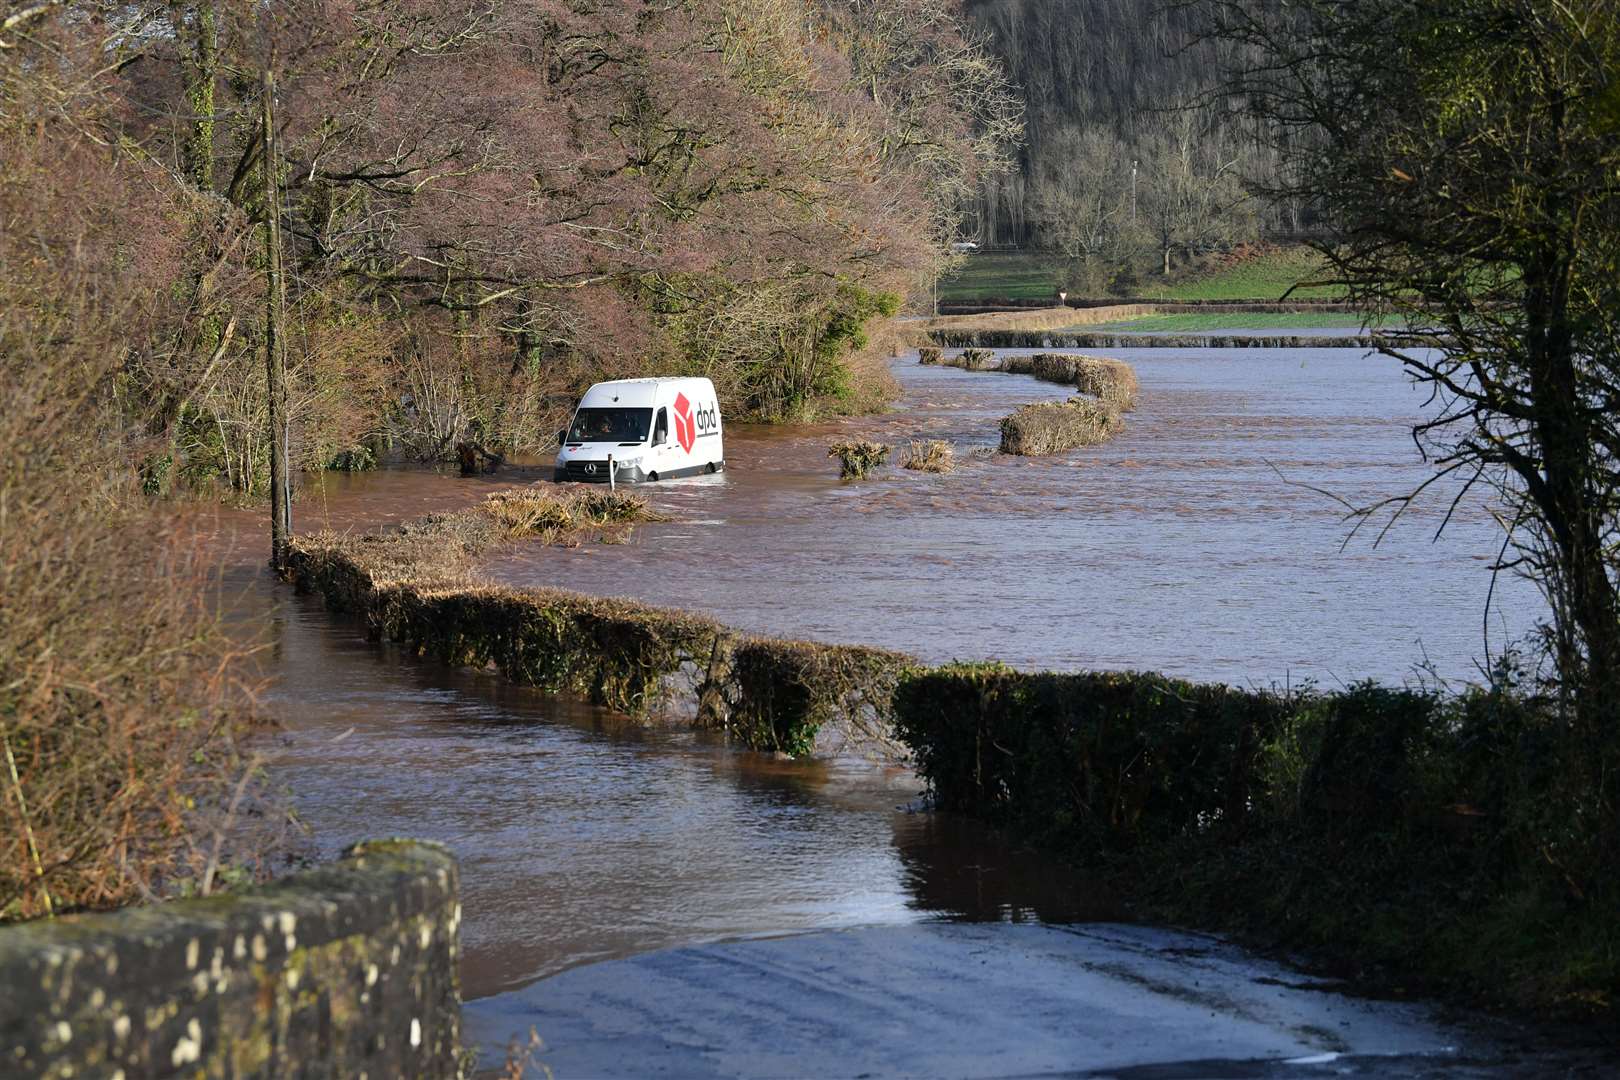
{"x": 1589, "y": 659}
{"x": 275, "y": 348}
{"x": 198, "y": 38}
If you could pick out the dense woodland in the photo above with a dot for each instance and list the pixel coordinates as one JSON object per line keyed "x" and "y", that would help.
{"x": 1131, "y": 156}
{"x": 487, "y": 207}
{"x": 483, "y": 208}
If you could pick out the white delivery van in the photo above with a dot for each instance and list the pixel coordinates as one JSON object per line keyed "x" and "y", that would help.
{"x": 634, "y": 430}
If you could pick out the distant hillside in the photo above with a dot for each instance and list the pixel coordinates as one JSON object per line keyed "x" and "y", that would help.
{"x": 1102, "y": 81}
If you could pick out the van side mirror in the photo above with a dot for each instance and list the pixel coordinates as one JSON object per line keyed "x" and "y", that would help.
{"x": 562, "y": 436}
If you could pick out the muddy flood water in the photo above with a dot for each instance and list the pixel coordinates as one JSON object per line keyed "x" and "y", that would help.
{"x": 1191, "y": 545}
{"x": 583, "y": 837}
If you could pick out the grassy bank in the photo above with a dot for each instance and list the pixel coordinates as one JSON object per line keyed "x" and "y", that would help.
{"x": 1267, "y": 275}
{"x": 1014, "y": 275}
{"x": 1086, "y": 338}
{"x": 1216, "y": 321}
{"x": 1026, "y": 275}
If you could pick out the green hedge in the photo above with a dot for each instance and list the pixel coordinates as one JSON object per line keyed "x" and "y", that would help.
{"x": 637, "y": 659}
{"x": 1109, "y": 761}
{"x": 1093, "y": 761}
{"x": 1443, "y": 841}
{"x": 1450, "y": 840}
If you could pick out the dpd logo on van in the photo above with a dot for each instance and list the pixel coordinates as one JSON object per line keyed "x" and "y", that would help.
{"x": 685, "y": 427}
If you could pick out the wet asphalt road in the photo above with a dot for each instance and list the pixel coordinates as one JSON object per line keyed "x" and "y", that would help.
{"x": 979, "y": 1001}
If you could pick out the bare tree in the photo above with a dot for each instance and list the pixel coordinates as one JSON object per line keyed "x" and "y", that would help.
{"x": 1465, "y": 153}
{"x": 1115, "y": 65}
{"x": 1084, "y": 202}
{"x": 1192, "y": 192}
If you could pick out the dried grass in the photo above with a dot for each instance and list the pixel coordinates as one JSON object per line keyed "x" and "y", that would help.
{"x": 975, "y": 360}
{"x": 553, "y": 515}
{"x": 438, "y": 551}
{"x": 858, "y": 457}
{"x": 1054, "y": 427}
{"x": 1036, "y": 319}
{"x": 123, "y": 774}
{"x": 1110, "y": 381}
{"x": 929, "y": 455}
{"x": 416, "y": 587}
{"x": 871, "y": 385}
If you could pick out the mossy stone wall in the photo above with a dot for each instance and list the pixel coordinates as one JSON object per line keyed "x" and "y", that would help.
{"x": 348, "y": 970}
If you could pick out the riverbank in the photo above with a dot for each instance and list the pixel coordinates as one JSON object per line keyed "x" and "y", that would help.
{"x": 1241, "y": 323}
{"x": 1035, "y": 275}
{"x": 1154, "y": 325}
{"x": 1089, "y": 339}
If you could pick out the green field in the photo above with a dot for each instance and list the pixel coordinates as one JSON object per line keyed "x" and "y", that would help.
{"x": 1018, "y": 275}
{"x": 1221, "y": 320}
{"x": 1013, "y": 275}
{"x": 1265, "y": 277}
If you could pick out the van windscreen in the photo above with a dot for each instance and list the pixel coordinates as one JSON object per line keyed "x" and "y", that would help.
{"x": 610, "y": 425}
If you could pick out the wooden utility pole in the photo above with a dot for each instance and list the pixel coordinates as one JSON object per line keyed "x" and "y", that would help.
{"x": 275, "y": 347}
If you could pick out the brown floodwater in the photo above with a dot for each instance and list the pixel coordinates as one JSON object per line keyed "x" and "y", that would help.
{"x": 583, "y": 836}
{"x": 1194, "y": 544}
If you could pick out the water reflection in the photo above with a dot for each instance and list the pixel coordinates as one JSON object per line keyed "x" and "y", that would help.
{"x": 585, "y": 836}
{"x": 957, "y": 869}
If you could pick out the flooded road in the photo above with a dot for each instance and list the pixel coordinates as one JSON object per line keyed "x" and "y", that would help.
{"x": 993, "y": 1002}
{"x": 581, "y": 835}
{"x": 1192, "y": 544}
{"x": 584, "y": 838}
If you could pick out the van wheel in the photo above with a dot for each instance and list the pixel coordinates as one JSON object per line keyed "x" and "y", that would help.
{"x": 714, "y": 467}
{"x": 652, "y": 477}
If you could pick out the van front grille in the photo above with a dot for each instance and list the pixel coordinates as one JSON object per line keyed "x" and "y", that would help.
{"x": 589, "y": 472}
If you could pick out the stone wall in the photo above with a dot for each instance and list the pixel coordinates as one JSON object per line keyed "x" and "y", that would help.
{"x": 348, "y": 970}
